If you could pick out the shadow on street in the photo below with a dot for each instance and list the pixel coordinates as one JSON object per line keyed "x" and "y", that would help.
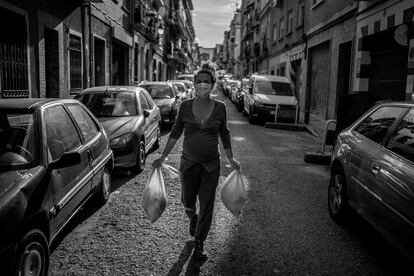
{"x": 182, "y": 259}
{"x": 119, "y": 178}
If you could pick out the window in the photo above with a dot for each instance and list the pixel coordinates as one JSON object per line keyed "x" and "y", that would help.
{"x": 61, "y": 134}
{"x": 75, "y": 63}
{"x": 402, "y": 141}
{"x": 301, "y": 14}
{"x": 149, "y": 99}
{"x": 143, "y": 102}
{"x": 376, "y": 125}
{"x": 289, "y": 22}
{"x": 274, "y": 32}
{"x": 282, "y": 69}
{"x": 86, "y": 124}
{"x": 281, "y": 28}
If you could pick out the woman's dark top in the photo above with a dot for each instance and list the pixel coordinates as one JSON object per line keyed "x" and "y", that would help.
{"x": 200, "y": 144}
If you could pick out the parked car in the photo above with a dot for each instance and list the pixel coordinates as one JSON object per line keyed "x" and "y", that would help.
{"x": 268, "y": 93}
{"x": 240, "y": 96}
{"x": 54, "y": 156}
{"x": 189, "y": 85}
{"x": 130, "y": 118}
{"x": 372, "y": 171}
{"x": 235, "y": 90}
{"x": 166, "y": 98}
{"x": 182, "y": 91}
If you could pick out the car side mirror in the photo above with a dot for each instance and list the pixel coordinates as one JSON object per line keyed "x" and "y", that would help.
{"x": 66, "y": 160}
{"x": 146, "y": 113}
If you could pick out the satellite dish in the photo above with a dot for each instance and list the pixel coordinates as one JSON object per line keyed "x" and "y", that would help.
{"x": 400, "y": 35}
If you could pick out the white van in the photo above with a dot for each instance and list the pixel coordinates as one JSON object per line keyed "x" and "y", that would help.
{"x": 271, "y": 98}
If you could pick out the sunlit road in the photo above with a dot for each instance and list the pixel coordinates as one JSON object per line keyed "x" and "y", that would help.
{"x": 285, "y": 228}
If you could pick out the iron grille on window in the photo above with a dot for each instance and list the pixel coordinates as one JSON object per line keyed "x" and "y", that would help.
{"x": 13, "y": 70}
{"x": 75, "y": 63}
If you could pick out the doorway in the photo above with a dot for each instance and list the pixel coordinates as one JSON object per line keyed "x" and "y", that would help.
{"x": 99, "y": 58}
{"x": 119, "y": 64}
{"x": 52, "y": 62}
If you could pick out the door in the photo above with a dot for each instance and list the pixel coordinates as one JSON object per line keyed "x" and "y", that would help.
{"x": 92, "y": 139}
{"x": 366, "y": 152}
{"x": 397, "y": 186}
{"x": 70, "y": 185}
{"x": 150, "y": 125}
{"x": 99, "y": 58}
{"x": 318, "y": 87}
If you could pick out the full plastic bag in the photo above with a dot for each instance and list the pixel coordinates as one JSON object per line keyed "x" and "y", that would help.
{"x": 233, "y": 193}
{"x": 155, "y": 197}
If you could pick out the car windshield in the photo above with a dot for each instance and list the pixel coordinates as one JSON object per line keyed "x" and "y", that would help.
{"x": 159, "y": 91}
{"x": 110, "y": 104}
{"x": 274, "y": 88}
{"x": 18, "y": 140}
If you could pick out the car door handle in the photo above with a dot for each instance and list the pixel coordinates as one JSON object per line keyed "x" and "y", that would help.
{"x": 375, "y": 168}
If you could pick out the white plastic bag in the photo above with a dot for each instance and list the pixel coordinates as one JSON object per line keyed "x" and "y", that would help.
{"x": 233, "y": 193}
{"x": 155, "y": 197}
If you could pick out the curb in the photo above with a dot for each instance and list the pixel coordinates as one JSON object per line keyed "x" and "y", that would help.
{"x": 294, "y": 127}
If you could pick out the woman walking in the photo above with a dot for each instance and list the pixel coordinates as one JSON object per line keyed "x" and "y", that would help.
{"x": 202, "y": 119}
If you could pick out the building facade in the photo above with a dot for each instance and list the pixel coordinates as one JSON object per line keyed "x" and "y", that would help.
{"x": 59, "y": 48}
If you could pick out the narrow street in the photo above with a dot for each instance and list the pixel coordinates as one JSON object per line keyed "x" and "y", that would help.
{"x": 285, "y": 228}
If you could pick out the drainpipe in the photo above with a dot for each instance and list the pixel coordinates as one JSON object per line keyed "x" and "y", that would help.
{"x": 85, "y": 46}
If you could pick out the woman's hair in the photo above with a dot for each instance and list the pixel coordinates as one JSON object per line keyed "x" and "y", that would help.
{"x": 207, "y": 68}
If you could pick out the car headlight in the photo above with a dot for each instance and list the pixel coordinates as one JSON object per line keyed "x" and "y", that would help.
{"x": 165, "y": 108}
{"x": 122, "y": 140}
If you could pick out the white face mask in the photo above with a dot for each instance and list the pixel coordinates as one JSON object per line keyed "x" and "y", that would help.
{"x": 203, "y": 89}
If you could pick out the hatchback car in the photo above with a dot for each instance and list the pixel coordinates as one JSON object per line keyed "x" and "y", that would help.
{"x": 166, "y": 97}
{"x": 54, "y": 156}
{"x": 271, "y": 98}
{"x": 373, "y": 172}
{"x": 130, "y": 118}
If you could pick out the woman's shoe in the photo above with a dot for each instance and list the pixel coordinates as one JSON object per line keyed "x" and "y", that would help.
{"x": 193, "y": 225}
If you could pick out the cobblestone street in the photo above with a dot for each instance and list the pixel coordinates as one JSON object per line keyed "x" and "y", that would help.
{"x": 285, "y": 228}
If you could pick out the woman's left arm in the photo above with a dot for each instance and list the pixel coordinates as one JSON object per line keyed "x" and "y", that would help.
{"x": 225, "y": 139}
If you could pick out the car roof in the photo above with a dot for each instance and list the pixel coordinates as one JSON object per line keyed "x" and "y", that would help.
{"x": 395, "y": 103}
{"x": 111, "y": 88}
{"x": 185, "y": 75}
{"x": 30, "y": 103}
{"x": 271, "y": 78}
{"x": 155, "y": 83}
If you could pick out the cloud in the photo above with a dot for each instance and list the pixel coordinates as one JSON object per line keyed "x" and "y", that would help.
{"x": 211, "y": 18}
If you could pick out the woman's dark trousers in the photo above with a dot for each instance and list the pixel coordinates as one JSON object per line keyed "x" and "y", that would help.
{"x": 196, "y": 180}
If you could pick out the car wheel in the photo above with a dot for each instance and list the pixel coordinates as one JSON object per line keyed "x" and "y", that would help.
{"x": 337, "y": 196}
{"x": 32, "y": 256}
{"x": 104, "y": 187}
{"x": 141, "y": 156}
{"x": 158, "y": 141}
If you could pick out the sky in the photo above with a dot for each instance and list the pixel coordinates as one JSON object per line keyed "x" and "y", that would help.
{"x": 211, "y": 18}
